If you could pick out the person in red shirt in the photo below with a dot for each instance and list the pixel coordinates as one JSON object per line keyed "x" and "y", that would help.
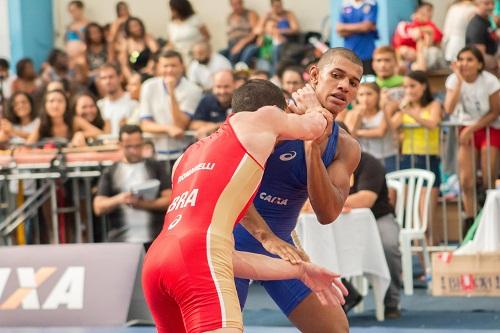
{"x": 412, "y": 37}
{"x": 188, "y": 271}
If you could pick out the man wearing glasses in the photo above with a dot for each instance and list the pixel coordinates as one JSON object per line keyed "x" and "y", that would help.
{"x": 135, "y": 210}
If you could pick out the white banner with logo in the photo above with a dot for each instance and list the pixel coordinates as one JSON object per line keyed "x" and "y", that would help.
{"x": 71, "y": 285}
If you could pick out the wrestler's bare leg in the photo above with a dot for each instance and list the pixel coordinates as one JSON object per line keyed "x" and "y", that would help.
{"x": 310, "y": 316}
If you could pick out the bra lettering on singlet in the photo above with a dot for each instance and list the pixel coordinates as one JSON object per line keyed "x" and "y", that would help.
{"x": 183, "y": 200}
{"x": 201, "y": 166}
{"x": 274, "y": 200}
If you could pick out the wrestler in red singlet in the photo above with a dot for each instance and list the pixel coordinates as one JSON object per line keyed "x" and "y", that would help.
{"x": 188, "y": 274}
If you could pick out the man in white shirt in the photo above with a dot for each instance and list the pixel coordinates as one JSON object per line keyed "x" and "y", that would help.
{"x": 205, "y": 64}
{"x": 168, "y": 103}
{"x": 117, "y": 105}
{"x": 133, "y": 218}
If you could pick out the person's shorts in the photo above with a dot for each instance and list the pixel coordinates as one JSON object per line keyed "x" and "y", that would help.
{"x": 480, "y": 138}
{"x": 420, "y": 162}
{"x": 287, "y": 294}
{"x": 390, "y": 163}
{"x": 190, "y": 289}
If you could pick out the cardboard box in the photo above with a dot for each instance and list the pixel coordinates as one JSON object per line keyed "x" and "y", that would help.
{"x": 468, "y": 275}
{"x": 436, "y": 228}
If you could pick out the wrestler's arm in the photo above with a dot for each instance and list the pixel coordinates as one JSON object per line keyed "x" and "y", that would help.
{"x": 255, "y": 224}
{"x": 321, "y": 281}
{"x": 328, "y": 188}
{"x": 259, "y": 131}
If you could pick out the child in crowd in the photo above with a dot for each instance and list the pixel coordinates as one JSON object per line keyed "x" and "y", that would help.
{"x": 367, "y": 122}
{"x": 473, "y": 99}
{"x": 418, "y": 118}
{"x": 269, "y": 42}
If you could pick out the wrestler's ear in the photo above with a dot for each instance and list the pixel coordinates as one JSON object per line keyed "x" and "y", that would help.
{"x": 313, "y": 75}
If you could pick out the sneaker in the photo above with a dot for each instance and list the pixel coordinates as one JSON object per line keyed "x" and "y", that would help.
{"x": 392, "y": 312}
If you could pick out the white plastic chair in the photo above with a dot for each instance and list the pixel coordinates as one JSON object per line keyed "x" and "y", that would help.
{"x": 399, "y": 209}
{"x": 413, "y": 222}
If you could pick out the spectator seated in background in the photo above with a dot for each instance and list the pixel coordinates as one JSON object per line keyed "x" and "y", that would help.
{"x": 473, "y": 98}
{"x": 358, "y": 26}
{"x": 481, "y": 34}
{"x": 133, "y": 87}
{"x": 369, "y": 190}
{"x": 367, "y": 122}
{"x": 240, "y": 77}
{"x": 84, "y": 105}
{"x": 19, "y": 120}
{"x": 292, "y": 79}
{"x": 117, "y": 27}
{"x": 269, "y": 42}
{"x": 417, "y": 42}
{"x": 74, "y": 36}
{"x": 133, "y": 218}
{"x": 457, "y": 18}
{"x": 287, "y": 23}
{"x": 57, "y": 121}
{"x": 137, "y": 49}
{"x": 277, "y": 28}
{"x": 242, "y": 24}
{"x": 97, "y": 52}
{"x": 56, "y": 67}
{"x": 168, "y": 103}
{"x": 215, "y": 106}
{"x": 117, "y": 105}
{"x": 26, "y": 80}
{"x": 385, "y": 66}
{"x": 185, "y": 29}
{"x": 5, "y": 82}
{"x": 259, "y": 75}
{"x": 418, "y": 119}
{"x": 205, "y": 64}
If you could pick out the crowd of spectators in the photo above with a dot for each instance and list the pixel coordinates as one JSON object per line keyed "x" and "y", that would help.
{"x": 120, "y": 81}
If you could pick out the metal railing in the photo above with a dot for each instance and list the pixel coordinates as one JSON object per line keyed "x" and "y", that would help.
{"x": 448, "y": 154}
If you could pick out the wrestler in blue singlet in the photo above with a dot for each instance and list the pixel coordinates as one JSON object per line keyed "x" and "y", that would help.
{"x": 280, "y": 198}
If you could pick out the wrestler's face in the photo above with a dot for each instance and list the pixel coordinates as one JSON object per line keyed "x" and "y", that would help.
{"x": 336, "y": 83}
{"x": 132, "y": 145}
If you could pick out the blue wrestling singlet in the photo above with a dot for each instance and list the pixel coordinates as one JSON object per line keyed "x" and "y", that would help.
{"x": 280, "y": 198}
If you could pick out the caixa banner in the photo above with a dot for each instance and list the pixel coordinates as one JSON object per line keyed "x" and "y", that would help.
{"x": 71, "y": 285}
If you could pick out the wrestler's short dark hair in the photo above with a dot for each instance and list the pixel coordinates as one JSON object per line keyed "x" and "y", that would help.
{"x": 328, "y": 56}
{"x": 255, "y": 94}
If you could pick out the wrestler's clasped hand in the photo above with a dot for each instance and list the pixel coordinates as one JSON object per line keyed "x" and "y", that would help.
{"x": 325, "y": 284}
{"x": 305, "y": 100}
